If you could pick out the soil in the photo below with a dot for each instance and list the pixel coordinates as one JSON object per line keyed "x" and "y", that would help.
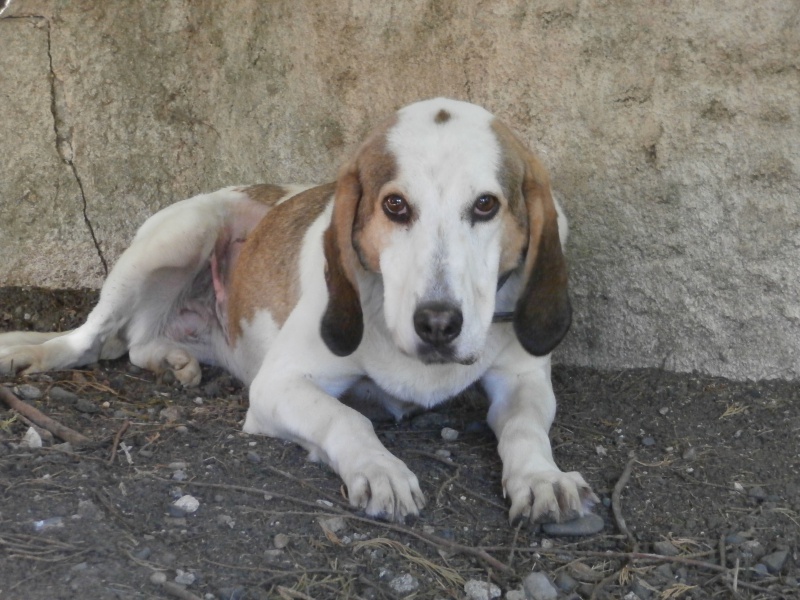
{"x": 714, "y": 469}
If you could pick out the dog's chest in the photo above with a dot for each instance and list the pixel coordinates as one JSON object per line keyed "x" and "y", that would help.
{"x": 408, "y": 379}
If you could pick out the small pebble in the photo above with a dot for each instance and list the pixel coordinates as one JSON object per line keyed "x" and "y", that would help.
{"x": 226, "y": 520}
{"x": 601, "y": 451}
{"x": 184, "y": 578}
{"x": 442, "y": 453}
{"x": 642, "y": 591}
{"x": 404, "y": 584}
{"x": 449, "y": 434}
{"x": 170, "y": 414}
{"x": 158, "y": 578}
{"x": 665, "y": 548}
{"x": 280, "y": 541}
{"x": 428, "y": 420}
{"x": 334, "y": 524}
{"x": 88, "y": 510}
{"x": 752, "y": 550}
{"x": 481, "y": 590}
{"x": 180, "y": 475}
{"x": 588, "y": 524}
{"x": 188, "y": 503}
{"x": 663, "y": 410}
{"x": 85, "y": 406}
{"x": 31, "y": 439}
{"x": 761, "y": 570}
{"x": 143, "y": 554}
{"x": 254, "y": 457}
{"x": 537, "y": 586}
{"x": 515, "y": 595}
{"x": 59, "y": 394}
{"x": 177, "y": 465}
{"x": 775, "y": 561}
{"x": 182, "y": 429}
{"x": 565, "y": 582}
{"x": 176, "y": 512}
{"x": 29, "y": 392}
{"x": 648, "y": 441}
{"x": 665, "y": 572}
{"x": 736, "y": 538}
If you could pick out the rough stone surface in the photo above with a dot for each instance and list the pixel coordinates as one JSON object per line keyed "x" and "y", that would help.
{"x": 537, "y": 586}
{"x": 672, "y": 132}
{"x": 588, "y": 524}
{"x": 481, "y": 590}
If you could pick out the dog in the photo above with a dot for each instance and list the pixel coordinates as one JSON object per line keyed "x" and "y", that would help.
{"x": 433, "y": 262}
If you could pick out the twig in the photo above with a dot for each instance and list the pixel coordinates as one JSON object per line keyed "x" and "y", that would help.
{"x": 637, "y": 556}
{"x": 303, "y": 483}
{"x": 290, "y": 594}
{"x": 436, "y": 541}
{"x": 510, "y": 559}
{"x": 42, "y": 420}
{"x": 117, "y": 438}
{"x": 616, "y": 504}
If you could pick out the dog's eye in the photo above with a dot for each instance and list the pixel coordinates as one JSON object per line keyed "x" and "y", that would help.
{"x": 396, "y": 208}
{"x": 485, "y": 207}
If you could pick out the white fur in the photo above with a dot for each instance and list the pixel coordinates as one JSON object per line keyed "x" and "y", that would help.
{"x": 156, "y": 293}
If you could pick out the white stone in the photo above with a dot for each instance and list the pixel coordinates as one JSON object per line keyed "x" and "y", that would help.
{"x": 187, "y": 503}
{"x": 481, "y": 590}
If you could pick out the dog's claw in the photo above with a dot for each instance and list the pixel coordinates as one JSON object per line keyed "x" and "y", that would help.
{"x": 385, "y": 489}
{"x": 548, "y": 496}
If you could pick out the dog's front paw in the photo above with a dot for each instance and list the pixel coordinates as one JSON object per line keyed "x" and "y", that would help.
{"x": 384, "y": 487}
{"x": 547, "y": 496}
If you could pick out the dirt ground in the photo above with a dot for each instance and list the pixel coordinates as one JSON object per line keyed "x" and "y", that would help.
{"x": 713, "y": 464}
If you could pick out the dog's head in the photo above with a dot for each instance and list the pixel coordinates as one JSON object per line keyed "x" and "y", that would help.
{"x": 441, "y": 204}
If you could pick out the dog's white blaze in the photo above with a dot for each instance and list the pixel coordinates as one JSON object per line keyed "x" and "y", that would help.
{"x": 442, "y": 255}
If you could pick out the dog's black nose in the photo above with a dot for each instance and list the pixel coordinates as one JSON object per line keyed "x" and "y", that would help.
{"x": 438, "y": 323}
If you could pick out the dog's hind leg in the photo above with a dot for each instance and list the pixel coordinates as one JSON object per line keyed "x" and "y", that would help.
{"x": 145, "y": 301}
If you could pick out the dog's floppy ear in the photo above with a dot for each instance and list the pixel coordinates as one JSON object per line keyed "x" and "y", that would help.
{"x": 342, "y": 324}
{"x": 543, "y": 313}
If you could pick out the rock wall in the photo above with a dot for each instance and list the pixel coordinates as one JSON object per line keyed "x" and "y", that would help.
{"x": 672, "y": 131}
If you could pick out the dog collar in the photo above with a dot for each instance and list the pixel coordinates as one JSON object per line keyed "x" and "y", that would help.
{"x": 503, "y": 317}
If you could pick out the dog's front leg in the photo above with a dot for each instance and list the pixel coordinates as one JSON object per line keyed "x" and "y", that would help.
{"x": 295, "y": 408}
{"x": 522, "y": 409}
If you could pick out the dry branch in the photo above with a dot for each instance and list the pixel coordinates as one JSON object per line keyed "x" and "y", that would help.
{"x": 41, "y": 419}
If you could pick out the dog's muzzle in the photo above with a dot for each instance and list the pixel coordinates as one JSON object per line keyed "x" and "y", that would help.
{"x": 438, "y": 324}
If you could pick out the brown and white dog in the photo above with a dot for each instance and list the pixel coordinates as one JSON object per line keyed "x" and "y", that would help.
{"x": 433, "y": 262}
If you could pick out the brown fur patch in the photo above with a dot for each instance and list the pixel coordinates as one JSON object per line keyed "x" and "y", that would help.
{"x": 543, "y": 314}
{"x": 441, "y": 117}
{"x": 266, "y": 274}
{"x": 265, "y": 193}
{"x": 516, "y": 231}
{"x": 357, "y": 192}
{"x": 376, "y": 166}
